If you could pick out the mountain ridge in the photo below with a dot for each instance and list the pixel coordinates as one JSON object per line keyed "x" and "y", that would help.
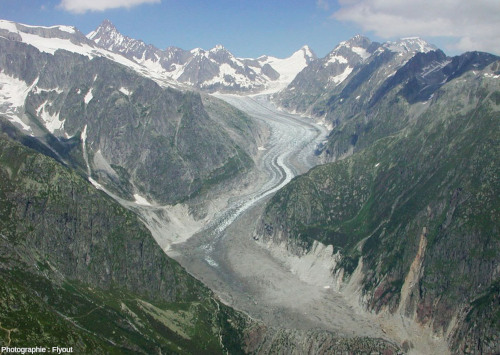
{"x": 312, "y": 88}
{"x": 211, "y": 70}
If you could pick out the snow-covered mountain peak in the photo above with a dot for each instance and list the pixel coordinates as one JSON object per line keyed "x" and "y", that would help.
{"x": 308, "y": 52}
{"x": 353, "y": 51}
{"x": 197, "y": 51}
{"x": 105, "y": 29}
{"x": 27, "y": 33}
{"x": 107, "y": 36}
{"x": 218, "y": 47}
{"x": 409, "y": 45}
{"x": 305, "y": 54}
{"x": 106, "y": 26}
{"x": 286, "y": 68}
{"x": 358, "y": 41}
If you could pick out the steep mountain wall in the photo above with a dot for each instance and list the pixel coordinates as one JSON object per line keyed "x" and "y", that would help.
{"x": 140, "y": 138}
{"x": 415, "y": 211}
{"x": 80, "y": 270}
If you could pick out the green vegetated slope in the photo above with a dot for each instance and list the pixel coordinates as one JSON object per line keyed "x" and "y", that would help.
{"x": 425, "y": 198}
{"x": 78, "y": 270}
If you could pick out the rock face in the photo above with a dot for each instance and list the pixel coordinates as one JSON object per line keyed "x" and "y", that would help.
{"x": 139, "y": 138}
{"x": 414, "y": 207}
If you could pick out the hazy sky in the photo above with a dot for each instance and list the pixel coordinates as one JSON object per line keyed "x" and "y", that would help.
{"x": 250, "y": 28}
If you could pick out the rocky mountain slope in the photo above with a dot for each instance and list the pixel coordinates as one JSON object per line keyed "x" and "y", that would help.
{"x": 209, "y": 70}
{"x": 138, "y": 137}
{"x": 412, "y": 211}
{"x": 313, "y": 89}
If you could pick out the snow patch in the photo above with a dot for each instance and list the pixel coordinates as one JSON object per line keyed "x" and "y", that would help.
{"x": 88, "y": 96}
{"x": 36, "y": 89}
{"x": 9, "y": 26}
{"x": 96, "y": 184}
{"x": 409, "y": 44}
{"x": 51, "y": 45}
{"x": 341, "y": 77}
{"x": 13, "y": 93}
{"x": 337, "y": 59}
{"x": 211, "y": 261}
{"x": 50, "y": 120}
{"x": 226, "y": 70}
{"x": 24, "y": 126}
{"x": 176, "y": 71}
{"x": 84, "y": 137}
{"x": 361, "y": 52}
{"x": 141, "y": 200}
{"x": 125, "y": 91}
{"x": 68, "y": 29}
{"x": 86, "y": 158}
{"x": 489, "y": 75}
{"x": 433, "y": 67}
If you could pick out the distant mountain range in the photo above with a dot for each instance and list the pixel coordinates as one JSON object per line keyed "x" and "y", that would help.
{"x": 214, "y": 70}
{"x": 210, "y": 70}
